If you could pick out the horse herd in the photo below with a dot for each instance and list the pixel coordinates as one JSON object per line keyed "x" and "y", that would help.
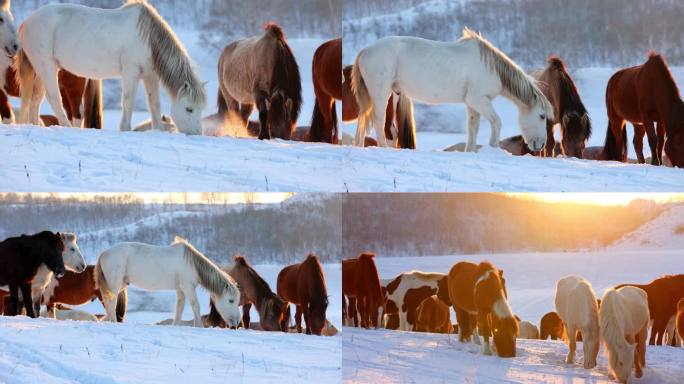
{"x": 419, "y": 301}
{"x": 48, "y": 268}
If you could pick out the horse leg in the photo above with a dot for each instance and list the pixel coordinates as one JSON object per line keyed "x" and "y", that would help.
{"x": 572, "y": 345}
{"x": 483, "y": 106}
{"x": 245, "y": 315}
{"x": 473, "y": 118}
{"x": 12, "y": 309}
{"x": 129, "y": 86}
{"x": 485, "y": 330}
{"x": 194, "y": 304}
{"x": 659, "y": 326}
{"x": 462, "y": 318}
{"x": 6, "y": 109}
{"x": 54, "y": 96}
{"x": 638, "y": 142}
{"x": 37, "y": 295}
{"x": 352, "y": 310}
{"x": 550, "y": 144}
{"x": 660, "y": 144}
{"x": 298, "y": 318}
{"x": 51, "y": 313}
{"x": 650, "y": 131}
{"x": 151, "y": 85}
{"x": 34, "y": 103}
{"x": 180, "y": 305}
{"x": 262, "y": 106}
{"x": 28, "y": 303}
{"x": 640, "y": 351}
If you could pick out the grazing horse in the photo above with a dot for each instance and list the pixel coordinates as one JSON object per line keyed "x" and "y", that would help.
{"x": 551, "y": 326}
{"x": 559, "y": 88}
{"x": 132, "y": 42}
{"x": 470, "y": 70}
{"x": 577, "y": 307}
{"x": 432, "y": 315}
{"x": 624, "y": 327}
{"x": 663, "y": 295}
{"x": 20, "y": 258}
{"x": 679, "y": 321}
{"x": 303, "y": 284}
{"x": 327, "y": 82}
{"x": 402, "y": 134}
{"x": 255, "y": 290}
{"x": 481, "y": 290}
{"x": 527, "y": 330}
{"x": 405, "y": 292}
{"x": 361, "y": 285}
{"x": 261, "y": 71}
{"x": 76, "y": 289}
{"x": 179, "y": 266}
{"x": 644, "y": 95}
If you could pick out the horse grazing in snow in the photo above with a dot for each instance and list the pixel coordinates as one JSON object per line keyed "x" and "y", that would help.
{"x": 577, "y": 307}
{"x": 624, "y": 326}
{"x": 470, "y": 70}
{"x": 132, "y": 42}
{"x": 179, "y": 266}
{"x": 303, "y": 284}
{"x": 361, "y": 285}
{"x": 480, "y": 290}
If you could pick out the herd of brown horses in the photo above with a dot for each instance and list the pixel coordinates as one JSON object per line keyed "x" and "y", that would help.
{"x": 477, "y": 293}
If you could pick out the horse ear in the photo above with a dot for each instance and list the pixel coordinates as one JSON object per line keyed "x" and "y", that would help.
{"x": 585, "y": 119}
{"x": 184, "y": 89}
{"x": 288, "y": 105}
{"x": 5, "y": 4}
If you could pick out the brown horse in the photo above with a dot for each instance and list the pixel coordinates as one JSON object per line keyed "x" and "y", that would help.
{"x": 433, "y": 316}
{"x": 361, "y": 285}
{"x": 679, "y": 321}
{"x": 663, "y": 295}
{"x": 557, "y": 85}
{"x": 75, "y": 91}
{"x": 261, "y": 71}
{"x": 551, "y": 326}
{"x": 255, "y": 290}
{"x": 76, "y": 289}
{"x": 644, "y": 95}
{"x": 481, "y": 290}
{"x": 303, "y": 284}
{"x": 327, "y": 82}
{"x": 406, "y": 129}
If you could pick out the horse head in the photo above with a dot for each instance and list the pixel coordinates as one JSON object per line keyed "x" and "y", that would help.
{"x": 52, "y": 254}
{"x": 280, "y": 114}
{"x": 227, "y": 305}
{"x": 576, "y": 130}
{"x": 186, "y": 110}
{"x": 674, "y": 145}
{"x": 273, "y": 313}
{"x": 8, "y": 32}
{"x": 317, "y": 309}
{"x": 73, "y": 259}
{"x": 532, "y": 121}
{"x": 621, "y": 361}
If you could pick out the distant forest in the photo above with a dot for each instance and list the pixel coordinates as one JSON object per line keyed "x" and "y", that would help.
{"x": 443, "y": 224}
{"x": 583, "y": 32}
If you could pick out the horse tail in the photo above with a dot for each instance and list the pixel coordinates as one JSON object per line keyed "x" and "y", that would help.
{"x": 317, "y": 124}
{"x": 121, "y": 304}
{"x": 363, "y": 100}
{"x": 611, "y": 151}
{"x": 101, "y": 281}
{"x": 221, "y": 104}
{"x": 406, "y": 123}
{"x": 25, "y": 77}
{"x": 92, "y": 103}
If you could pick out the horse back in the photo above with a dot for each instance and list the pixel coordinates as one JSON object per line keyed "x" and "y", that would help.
{"x": 287, "y": 285}
{"x": 622, "y": 94}
{"x": 462, "y": 278}
{"x": 327, "y": 67}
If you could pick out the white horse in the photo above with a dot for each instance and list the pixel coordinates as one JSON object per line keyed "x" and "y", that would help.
{"x": 179, "y": 266}
{"x": 132, "y": 42}
{"x": 527, "y": 330}
{"x": 470, "y": 70}
{"x": 624, "y": 320}
{"x": 577, "y": 307}
{"x": 69, "y": 314}
{"x": 10, "y": 44}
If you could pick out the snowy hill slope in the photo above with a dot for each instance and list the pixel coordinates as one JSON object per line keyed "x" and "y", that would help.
{"x": 662, "y": 233}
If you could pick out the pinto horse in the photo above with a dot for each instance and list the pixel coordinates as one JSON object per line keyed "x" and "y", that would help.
{"x": 644, "y": 95}
{"x": 327, "y": 82}
{"x": 304, "y": 285}
{"x": 261, "y": 71}
{"x": 481, "y": 290}
{"x": 361, "y": 285}
{"x": 663, "y": 295}
{"x": 405, "y": 292}
{"x": 255, "y": 290}
{"x": 557, "y": 85}
{"x": 20, "y": 258}
{"x": 132, "y": 42}
{"x": 471, "y": 71}
{"x": 402, "y": 134}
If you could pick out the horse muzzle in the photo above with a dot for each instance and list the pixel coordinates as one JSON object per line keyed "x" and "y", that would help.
{"x": 12, "y": 49}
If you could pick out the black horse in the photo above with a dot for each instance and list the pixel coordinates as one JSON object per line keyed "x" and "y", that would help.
{"x": 20, "y": 258}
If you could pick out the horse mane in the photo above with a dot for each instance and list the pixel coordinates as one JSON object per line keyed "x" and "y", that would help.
{"x": 320, "y": 286}
{"x": 664, "y": 70}
{"x": 513, "y": 79}
{"x": 170, "y": 59}
{"x": 259, "y": 283}
{"x": 611, "y": 327}
{"x": 211, "y": 277}
{"x": 569, "y": 96}
{"x": 285, "y": 75}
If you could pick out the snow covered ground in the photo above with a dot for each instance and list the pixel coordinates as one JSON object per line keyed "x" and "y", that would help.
{"x": 530, "y": 279}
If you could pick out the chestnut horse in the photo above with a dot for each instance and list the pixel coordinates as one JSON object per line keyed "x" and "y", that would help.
{"x": 481, "y": 290}
{"x": 76, "y": 289}
{"x": 327, "y": 82}
{"x": 551, "y": 326}
{"x": 557, "y": 85}
{"x": 75, "y": 91}
{"x": 644, "y": 95}
{"x": 432, "y": 315}
{"x": 303, "y": 284}
{"x": 361, "y": 286}
{"x": 663, "y": 295}
{"x": 405, "y": 127}
{"x": 679, "y": 322}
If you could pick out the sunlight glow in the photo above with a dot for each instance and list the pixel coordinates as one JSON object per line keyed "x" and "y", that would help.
{"x": 600, "y": 198}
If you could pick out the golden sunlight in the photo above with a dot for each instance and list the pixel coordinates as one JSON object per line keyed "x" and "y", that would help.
{"x": 600, "y": 198}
